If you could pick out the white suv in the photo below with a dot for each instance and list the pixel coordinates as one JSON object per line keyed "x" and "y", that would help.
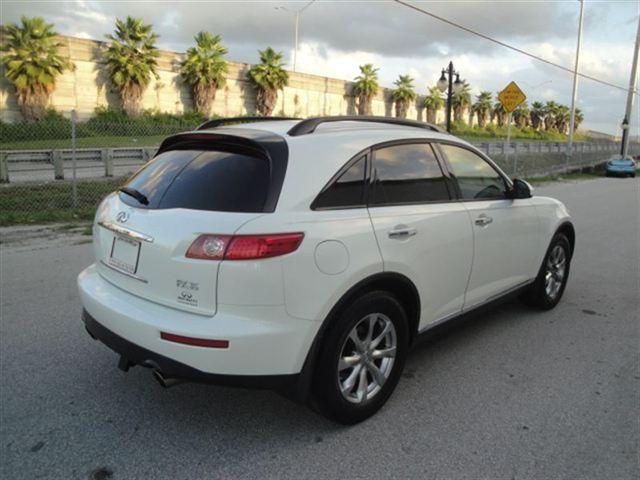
{"x": 308, "y": 256}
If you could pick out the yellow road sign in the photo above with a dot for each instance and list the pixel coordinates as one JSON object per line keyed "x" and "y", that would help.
{"x": 511, "y": 97}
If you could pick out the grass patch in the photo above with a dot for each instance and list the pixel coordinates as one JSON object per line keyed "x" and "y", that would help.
{"x": 52, "y": 202}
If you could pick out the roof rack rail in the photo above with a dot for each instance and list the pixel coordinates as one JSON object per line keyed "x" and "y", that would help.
{"x": 219, "y": 122}
{"x": 309, "y": 125}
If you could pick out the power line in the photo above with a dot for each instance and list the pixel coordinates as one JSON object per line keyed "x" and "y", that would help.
{"x": 511, "y": 47}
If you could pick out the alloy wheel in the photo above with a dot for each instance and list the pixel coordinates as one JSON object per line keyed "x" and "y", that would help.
{"x": 555, "y": 271}
{"x": 367, "y": 357}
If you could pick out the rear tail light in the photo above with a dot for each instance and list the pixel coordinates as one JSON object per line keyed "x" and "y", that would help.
{"x": 244, "y": 247}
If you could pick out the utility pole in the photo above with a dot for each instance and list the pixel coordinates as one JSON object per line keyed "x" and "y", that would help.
{"x": 572, "y": 120}
{"x": 295, "y": 51}
{"x": 632, "y": 87}
{"x": 297, "y": 22}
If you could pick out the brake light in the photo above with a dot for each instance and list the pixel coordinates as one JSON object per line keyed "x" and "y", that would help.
{"x": 243, "y": 247}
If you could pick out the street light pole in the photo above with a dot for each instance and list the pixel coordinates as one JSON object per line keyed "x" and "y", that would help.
{"x": 449, "y": 96}
{"x": 446, "y": 83}
{"x": 296, "y": 24}
{"x": 572, "y": 120}
{"x": 295, "y": 51}
{"x": 632, "y": 87}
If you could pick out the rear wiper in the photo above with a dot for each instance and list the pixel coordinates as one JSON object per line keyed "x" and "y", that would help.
{"x": 137, "y": 194}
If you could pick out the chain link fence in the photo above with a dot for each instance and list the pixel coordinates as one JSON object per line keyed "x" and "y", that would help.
{"x": 60, "y": 169}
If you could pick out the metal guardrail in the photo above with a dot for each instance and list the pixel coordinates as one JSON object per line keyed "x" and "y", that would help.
{"x": 530, "y": 158}
{"x": 45, "y": 165}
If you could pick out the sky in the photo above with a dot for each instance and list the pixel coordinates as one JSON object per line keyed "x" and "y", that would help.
{"x": 336, "y": 36}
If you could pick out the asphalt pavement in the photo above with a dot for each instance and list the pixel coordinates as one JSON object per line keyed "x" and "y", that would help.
{"x": 511, "y": 394}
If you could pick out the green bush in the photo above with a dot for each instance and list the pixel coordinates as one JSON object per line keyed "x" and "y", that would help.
{"x": 105, "y": 122}
{"x": 52, "y": 126}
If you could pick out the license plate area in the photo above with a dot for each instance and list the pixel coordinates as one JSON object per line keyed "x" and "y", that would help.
{"x": 125, "y": 254}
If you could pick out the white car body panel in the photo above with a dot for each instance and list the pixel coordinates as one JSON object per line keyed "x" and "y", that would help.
{"x": 437, "y": 258}
{"x": 506, "y": 251}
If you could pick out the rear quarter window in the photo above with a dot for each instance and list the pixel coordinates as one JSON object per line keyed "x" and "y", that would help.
{"x": 222, "y": 181}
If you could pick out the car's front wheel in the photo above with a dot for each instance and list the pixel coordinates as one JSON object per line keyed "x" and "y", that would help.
{"x": 547, "y": 289}
{"x": 362, "y": 358}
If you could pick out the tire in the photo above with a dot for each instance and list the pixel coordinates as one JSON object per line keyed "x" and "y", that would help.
{"x": 386, "y": 314}
{"x": 547, "y": 289}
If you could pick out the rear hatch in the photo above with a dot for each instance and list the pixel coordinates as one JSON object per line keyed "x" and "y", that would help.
{"x": 190, "y": 188}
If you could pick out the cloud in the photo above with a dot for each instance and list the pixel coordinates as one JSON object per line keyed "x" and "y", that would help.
{"x": 337, "y": 36}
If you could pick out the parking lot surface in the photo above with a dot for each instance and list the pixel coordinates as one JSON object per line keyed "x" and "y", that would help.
{"x": 510, "y": 394}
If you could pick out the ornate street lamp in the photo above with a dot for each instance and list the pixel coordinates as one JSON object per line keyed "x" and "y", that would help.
{"x": 447, "y": 84}
{"x": 625, "y": 132}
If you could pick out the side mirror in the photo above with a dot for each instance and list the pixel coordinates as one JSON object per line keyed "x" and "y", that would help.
{"x": 520, "y": 189}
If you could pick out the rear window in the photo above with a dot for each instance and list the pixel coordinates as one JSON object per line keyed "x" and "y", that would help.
{"x": 203, "y": 180}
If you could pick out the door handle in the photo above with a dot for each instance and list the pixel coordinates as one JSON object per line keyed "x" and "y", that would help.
{"x": 402, "y": 231}
{"x": 483, "y": 220}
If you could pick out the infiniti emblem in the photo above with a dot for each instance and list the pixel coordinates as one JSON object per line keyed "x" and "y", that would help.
{"x": 122, "y": 217}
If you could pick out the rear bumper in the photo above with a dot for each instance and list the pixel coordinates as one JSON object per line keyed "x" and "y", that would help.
{"x": 263, "y": 340}
{"x": 133, "y": 354}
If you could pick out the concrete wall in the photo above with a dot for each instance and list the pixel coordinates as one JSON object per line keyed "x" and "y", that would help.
{"x": 87, "y": 87}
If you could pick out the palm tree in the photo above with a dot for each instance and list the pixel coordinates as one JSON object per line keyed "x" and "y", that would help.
{"x": 579, "y": 118}
{"x": 461, "y": 100}
{"x": 521, "y": 115}
{"x": 268, "y": 77}
{"x": 562, "y": 118}
{"x": 131, "y": 58}
{"x": 550, "y": 110}
{"x": 403, "y": 94}
{"x": 482, "y": 107}
{"x": 537, "y": 114}
{"x": 433, "y": 102}
{"x": 365, "y": 87}
{"x": 499, "y": 113}
{"x": 204, "y": 69}
{"x": 32, "y": 63}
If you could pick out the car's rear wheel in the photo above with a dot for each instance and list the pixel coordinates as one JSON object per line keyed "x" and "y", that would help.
{"x": 547, "y": 290}
{"x": 362, "y": 357}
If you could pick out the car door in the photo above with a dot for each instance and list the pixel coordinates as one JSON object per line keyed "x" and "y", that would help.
{"x": 505, "y": 230}
{"x": 420, "y": 231}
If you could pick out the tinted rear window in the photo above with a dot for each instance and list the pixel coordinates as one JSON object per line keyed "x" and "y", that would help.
{"x": 203, "y": 180}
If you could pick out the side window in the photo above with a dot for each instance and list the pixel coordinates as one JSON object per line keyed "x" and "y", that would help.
{"x": 347, "y": 191}
{"x": 476, "y": 178}
{"x": 407, "y": 173}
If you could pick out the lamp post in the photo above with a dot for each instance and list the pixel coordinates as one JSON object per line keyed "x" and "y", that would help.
{"x": 447, "y": 84}
{"x": 297, "y": 20}
{"x": 625, "y": 133}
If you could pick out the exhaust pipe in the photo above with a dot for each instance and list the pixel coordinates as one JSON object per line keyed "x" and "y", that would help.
{"x": 166, "y": 382}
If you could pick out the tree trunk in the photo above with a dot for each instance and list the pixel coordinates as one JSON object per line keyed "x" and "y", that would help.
{"x": 203, "y": 96}
{"x": 535, "y": 122}
{"x": 364, "y": 105}
{"x": 131, "y": 94}
{"x": 500, "y": 118}
{"x": 549, "y": 121}
{"x": 482, "y": 118}
{"x": 33, "y": 102}
{"x": 431, "y": 115}
{"x": 266, "y": 101}
{"x": 401, "y": 108}
{"x": 457, "y": 114}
